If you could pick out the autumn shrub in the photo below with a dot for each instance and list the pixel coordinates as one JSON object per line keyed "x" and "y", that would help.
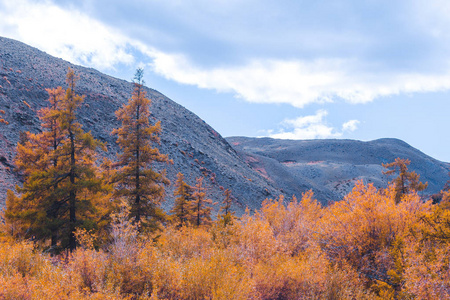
{"x": 308, "y": 276}
{"x": 215, "y": 278}
{"x": 293, "y": 225}
{"x": 186, "y": 264}
{"x": 285, "y": 278}
{"x": 427, "y": 271}
{"x": 185, "y": 242}
{"x": 126, "y": 270}
{"x": 25, "y": 273}
{"x": 426, "y": 255}
{"x": 166, "y": 272}
{"x": 362, "y": 228}
{"x": 117, "y": 270}
{"x": 87, "y": 269}
{"x": 254, "y": 240}
{"x": 21, "y": 258}
{"x": 14, "y": 287}
{"x": 54, "y": 281}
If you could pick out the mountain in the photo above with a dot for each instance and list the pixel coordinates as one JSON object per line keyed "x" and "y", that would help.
{"x": 195, "y": 148}
{"x": 330, "y": 167}
{"x": 254, "y": 169}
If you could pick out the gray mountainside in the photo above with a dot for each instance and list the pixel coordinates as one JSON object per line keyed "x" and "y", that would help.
{"x": 331, "y": 167}
{"x": 254, "y": 169}
{"x": 195, "y": 148}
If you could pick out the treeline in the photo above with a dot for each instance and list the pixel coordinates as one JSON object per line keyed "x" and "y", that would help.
{"x": 373, "y": 244}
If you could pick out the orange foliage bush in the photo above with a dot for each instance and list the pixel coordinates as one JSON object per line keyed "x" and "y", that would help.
{"x": 362, "y": 228}
{"x": 366, "y": 246}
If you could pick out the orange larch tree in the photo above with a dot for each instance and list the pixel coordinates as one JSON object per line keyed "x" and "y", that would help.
{"x": 226, "y": 215}
{"x": 181, "y": 207}
{"x": 38, "y": 208}
{"x": 200, "y": 211}
{"x": 405, "y": 182}
{"x": 60, "y": 173}
{"x": 136, "y": 180}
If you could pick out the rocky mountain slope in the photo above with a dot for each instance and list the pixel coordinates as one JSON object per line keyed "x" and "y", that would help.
{"x": 195, "y": 148}
{"x": 254, "y": 169}
{"x": 330, "y": 167}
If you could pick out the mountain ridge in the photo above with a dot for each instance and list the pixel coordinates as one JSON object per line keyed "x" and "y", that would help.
{"x": 331, "y": 166}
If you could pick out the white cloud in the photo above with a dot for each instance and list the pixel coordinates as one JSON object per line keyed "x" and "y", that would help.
{"x": 307, "y": 127}
{"x": 351, "y": 125}
{"x": 299, "y": 82}
{"x": 70, "y": 35}
{"x": 311, "y": 127}
{"x": 78, "y": 38}
{"x": 260, "y": 81}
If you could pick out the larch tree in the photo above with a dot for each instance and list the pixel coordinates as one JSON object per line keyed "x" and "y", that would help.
{"x": 227, "y": 201}
{"x": 136, "y": 180}
{"x": 61, "y": 178}
{"x": 181, "y": 208}
{"x": 38, "y": 208}
{"x": 406, "y": 182}
{"x": 200, "y": 211}
{"x": 226, "y": 215}
{"x": 77, "y": 168}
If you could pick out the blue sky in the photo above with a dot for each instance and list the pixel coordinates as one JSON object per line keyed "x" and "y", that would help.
{"x": 287, "y": 69}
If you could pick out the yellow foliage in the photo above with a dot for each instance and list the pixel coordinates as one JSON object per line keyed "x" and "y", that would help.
{"x": 366, "y": 246}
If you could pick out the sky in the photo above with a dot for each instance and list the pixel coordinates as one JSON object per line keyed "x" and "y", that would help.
{"x": 290, "y": 69}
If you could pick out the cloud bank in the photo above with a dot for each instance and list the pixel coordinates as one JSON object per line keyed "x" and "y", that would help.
{"x": 78, "y": 37}
{"x": 297, "y": 82}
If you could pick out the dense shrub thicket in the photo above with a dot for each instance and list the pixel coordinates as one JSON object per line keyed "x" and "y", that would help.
{"x": 366, "y": 246}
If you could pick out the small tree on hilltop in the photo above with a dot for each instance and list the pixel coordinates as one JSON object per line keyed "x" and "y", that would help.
{"x": 136, "y": 180}
{"x": 406, "y": 182}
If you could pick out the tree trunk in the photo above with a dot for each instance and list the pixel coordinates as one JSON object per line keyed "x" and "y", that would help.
{"x": 72, "y": 196}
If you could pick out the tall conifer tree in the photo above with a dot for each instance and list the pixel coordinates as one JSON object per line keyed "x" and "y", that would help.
{"x": 38, "y": 208}
{"x": 77, "y": 155}
{"x": 136, "y": 180}
{"x": 60, "y": 173}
